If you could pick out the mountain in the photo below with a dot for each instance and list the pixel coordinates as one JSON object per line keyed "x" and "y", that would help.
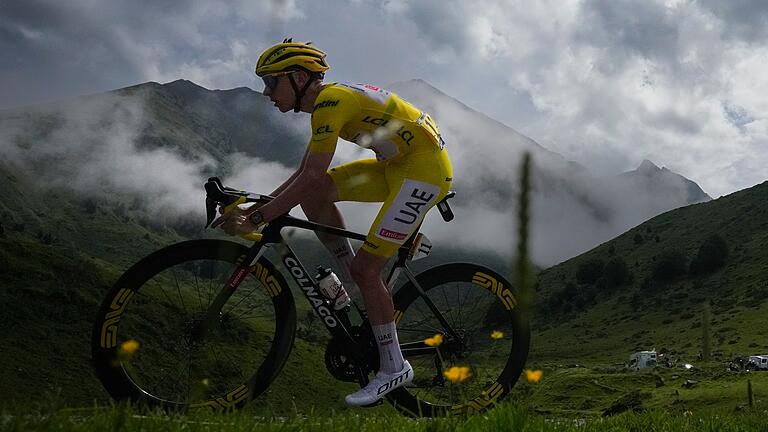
{"x": 138, "y": 154}
{"x": 150, "y": 145}
{"x": 664, "y": 183}
{"x": 649, "y": 286}
{"x": 193, "y": 119}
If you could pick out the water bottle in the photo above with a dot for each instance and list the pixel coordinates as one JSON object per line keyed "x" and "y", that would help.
{"x": 331, "y": 287}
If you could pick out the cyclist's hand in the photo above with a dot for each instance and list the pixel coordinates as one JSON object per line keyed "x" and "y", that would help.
{"x": 247, "y": 210}
{"x": 235, "y": 222}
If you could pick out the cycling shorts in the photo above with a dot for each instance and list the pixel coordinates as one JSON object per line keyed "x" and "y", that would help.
{"x": 408, "y": 187}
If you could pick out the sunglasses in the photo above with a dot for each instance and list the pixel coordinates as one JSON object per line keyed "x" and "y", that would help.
{"x": 270, "y": 81}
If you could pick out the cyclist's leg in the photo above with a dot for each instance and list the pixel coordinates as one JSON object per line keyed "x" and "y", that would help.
{"x": 394, "y": 371}
{"x": 321, "y": 207}
{"x": 415, "y": 186}
{"x": 356, "y": 181}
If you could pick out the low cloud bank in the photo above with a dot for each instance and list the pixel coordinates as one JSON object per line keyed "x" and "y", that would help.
{"x": 94, "y": 147}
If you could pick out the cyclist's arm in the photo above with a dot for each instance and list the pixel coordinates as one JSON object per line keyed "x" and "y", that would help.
{"x": 293, "y": 176}
{"x": 315, "y": 167}
{"x": 326, "y": 124}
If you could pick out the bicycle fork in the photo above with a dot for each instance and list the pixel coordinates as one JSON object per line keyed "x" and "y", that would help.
{"x": 214, "y": 312}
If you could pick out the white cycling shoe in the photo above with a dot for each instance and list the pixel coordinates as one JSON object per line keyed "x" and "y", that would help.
{"x": 381, "y": 384}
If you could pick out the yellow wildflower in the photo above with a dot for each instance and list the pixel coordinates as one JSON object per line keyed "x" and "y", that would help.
{"x": 496, "y": 334}
{"x": 130, "y": 346}
{"x": 457, "y": 374}
{"x": 533, "y": 376}
{"x": 434, "y": 341}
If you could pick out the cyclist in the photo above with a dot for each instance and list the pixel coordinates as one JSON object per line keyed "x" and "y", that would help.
{"x": 410, "y": 173}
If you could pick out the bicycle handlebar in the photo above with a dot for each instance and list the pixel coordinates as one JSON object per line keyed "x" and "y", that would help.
{"x": 218, "y": 195}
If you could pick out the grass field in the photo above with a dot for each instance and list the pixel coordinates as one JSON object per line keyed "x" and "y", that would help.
{"x": 54, "y": 417}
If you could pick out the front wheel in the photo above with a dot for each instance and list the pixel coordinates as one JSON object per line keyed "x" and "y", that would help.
{"x": 153, "y": 340}
{"x": 469, "y": 359}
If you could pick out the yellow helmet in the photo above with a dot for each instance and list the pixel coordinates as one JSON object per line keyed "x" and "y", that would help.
{"x": 291, "y": 55}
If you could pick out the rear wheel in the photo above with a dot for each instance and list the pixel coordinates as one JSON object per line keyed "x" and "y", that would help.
{"x": 484, "y": 345}
{"x": 151, "y": 343}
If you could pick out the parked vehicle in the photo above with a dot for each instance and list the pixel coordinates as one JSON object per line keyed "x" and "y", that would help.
{"x": 642, "y": 360}
{"x": 758, "y": 362}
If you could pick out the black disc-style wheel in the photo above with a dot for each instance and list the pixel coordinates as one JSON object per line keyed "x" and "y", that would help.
{"x": 154, "y": 340}
{"x": 471, "y": 358}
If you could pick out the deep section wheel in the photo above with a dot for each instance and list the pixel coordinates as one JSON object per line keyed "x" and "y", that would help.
{"x": 153, "y": 343}
{"x": 467, "y": 340}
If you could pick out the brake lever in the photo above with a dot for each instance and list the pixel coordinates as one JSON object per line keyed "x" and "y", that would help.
{"x": 216, "y": 180}
{"x": 210, "y": 209}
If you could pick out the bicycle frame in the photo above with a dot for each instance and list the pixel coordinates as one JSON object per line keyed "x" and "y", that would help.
{"x": 336, "y": 321}
{"x": 351, "y": 355}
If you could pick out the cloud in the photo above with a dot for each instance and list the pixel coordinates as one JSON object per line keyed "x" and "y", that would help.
{"x": 605, "y": 83}
{"x": 54, "y": 50}
{"x": 617, "y": 82}
{"x": 742, "y": 19}
{"x": 92, "y": 148}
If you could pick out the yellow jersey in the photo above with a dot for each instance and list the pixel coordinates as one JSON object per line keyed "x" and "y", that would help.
{"x": 372, "y": 118}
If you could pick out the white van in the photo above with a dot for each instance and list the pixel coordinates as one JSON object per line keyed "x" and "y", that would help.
{"x": 758, "y": 362}
{"x": 642, "y": 360}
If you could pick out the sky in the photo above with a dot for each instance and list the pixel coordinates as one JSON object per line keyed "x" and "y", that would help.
{"x": 606, "y": 83}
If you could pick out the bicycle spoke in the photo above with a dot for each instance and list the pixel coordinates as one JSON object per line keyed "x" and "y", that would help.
{"x": 164, "y": 378}
{"x": 178, "y": 289}
{"x": 167, "y": 297}
{"x": 241, "y": 300}
{"x": 257, "y": 311}
{"x": 197, "y": 288}
{"x": 460, "y": 304}
{"x": 447, "y": 311}
{"x": 211, "y": 290}
{"x": 435, "y": 330}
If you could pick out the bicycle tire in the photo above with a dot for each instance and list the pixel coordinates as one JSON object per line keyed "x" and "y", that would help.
{"x": 500, "y": 324}
{"x": 235, "y": 360}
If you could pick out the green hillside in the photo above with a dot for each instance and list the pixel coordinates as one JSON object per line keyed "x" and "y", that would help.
{"x": 58, "y": 257}
{"x": 585, "y": 315}
{"x": 111, "y": 231}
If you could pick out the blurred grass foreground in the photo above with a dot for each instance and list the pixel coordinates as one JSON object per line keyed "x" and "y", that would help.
{"x": 506, "y": 416}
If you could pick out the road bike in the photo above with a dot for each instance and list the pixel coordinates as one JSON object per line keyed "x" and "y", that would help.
{"x": 209, "y": 323}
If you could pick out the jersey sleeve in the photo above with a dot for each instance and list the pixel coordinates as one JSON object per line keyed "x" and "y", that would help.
{"x": 333, "y": 109}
